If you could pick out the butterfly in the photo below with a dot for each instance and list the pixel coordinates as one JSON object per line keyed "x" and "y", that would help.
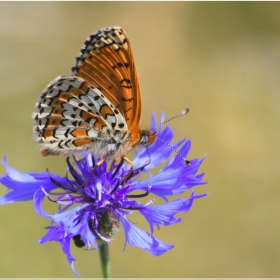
{"x": 97, "y": 108}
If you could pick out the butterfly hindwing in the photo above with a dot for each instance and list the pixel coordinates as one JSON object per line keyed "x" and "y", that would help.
{"x": 72, "y": 115}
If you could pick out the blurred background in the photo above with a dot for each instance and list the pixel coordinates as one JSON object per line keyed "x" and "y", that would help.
{"x": 221, "y": 60}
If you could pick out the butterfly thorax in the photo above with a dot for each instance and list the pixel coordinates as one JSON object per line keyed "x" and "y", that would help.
{"x": 135, "y": 138}
{"x": 118, "y": 146}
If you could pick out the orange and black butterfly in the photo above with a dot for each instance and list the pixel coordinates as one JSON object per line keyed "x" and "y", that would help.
{"x": 97, "y": 108}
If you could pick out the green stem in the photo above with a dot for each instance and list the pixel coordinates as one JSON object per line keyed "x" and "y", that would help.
{"x": 105, "y": 262}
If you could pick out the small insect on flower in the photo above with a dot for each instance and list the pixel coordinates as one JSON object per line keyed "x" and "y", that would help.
{"x": 78, "y": 241}
{"x": 97, "y": 108}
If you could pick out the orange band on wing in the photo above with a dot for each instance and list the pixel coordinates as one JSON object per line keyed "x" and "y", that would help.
{"x": 64, "y": 96}
{"x": 82, "y": 142}
{"x": 57, "y": 103}
{"x": 106, "y": 110}
{"x": 79, "y": 133}
{"x": 99, "y": 123}
{"x": 48, "y": 133}
{"x": 57, "y": 112}
{"x": 76, "y": 92}
{"x": 55, "y": 122}
{"x": 87, "y": 115}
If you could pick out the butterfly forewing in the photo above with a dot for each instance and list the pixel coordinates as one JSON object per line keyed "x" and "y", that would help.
{"x": 106, "y": 61}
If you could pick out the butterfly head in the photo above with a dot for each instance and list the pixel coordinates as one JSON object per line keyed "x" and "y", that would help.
{"x": 147, "y": 137}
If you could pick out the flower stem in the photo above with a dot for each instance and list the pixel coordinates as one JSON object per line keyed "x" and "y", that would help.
{"x": 105, "y": 262}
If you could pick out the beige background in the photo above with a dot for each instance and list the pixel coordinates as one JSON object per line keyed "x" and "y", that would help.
{"x": 222, "y": 60}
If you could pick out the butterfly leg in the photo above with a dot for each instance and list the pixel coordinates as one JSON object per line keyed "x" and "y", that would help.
{"x": 131, "y": 168}
{"x": 92, "y": 171}
{"x": 98, "y": 164}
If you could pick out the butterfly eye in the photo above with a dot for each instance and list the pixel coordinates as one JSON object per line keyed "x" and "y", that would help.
{"x": 144, "y": 140}
{"x": 145, "y": 137}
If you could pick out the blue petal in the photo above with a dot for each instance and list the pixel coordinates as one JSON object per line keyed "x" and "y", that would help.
{"x": 158, "y": 151}
{"x": 175, "y": 178}
{"x": 24, "y": 185}
{"x": 163, "y": 214}
{"x": 23, "y": 191}
{"x": 139, "y": 238}
{"x": 38, "y": 200}
{"x": 16, "y": 175}
{"x": 67, "y": 218}
{"x": 57, "y": 233}
{"x": 154, "y": 121}
{"x": 65, "y": 227}
{"x": 169, "y": 181}
{"x": 66, "y": 249}
{"x": 184, "y": 151}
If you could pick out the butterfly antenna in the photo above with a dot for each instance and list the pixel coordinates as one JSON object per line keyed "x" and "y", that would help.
{"x": 168, "y": 144}
{"x": 174, "y": 150}
{"x": 148, "y": 152}
{"x": 179, "y": 115}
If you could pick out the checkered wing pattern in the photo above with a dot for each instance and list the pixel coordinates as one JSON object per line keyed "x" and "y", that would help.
{"x": 98, "y": 106}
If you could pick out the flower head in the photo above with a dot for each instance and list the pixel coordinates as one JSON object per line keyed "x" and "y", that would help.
{"x": 97, "y": 199}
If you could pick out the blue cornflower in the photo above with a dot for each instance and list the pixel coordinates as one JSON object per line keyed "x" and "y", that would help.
{"x": 96, "y": 201}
